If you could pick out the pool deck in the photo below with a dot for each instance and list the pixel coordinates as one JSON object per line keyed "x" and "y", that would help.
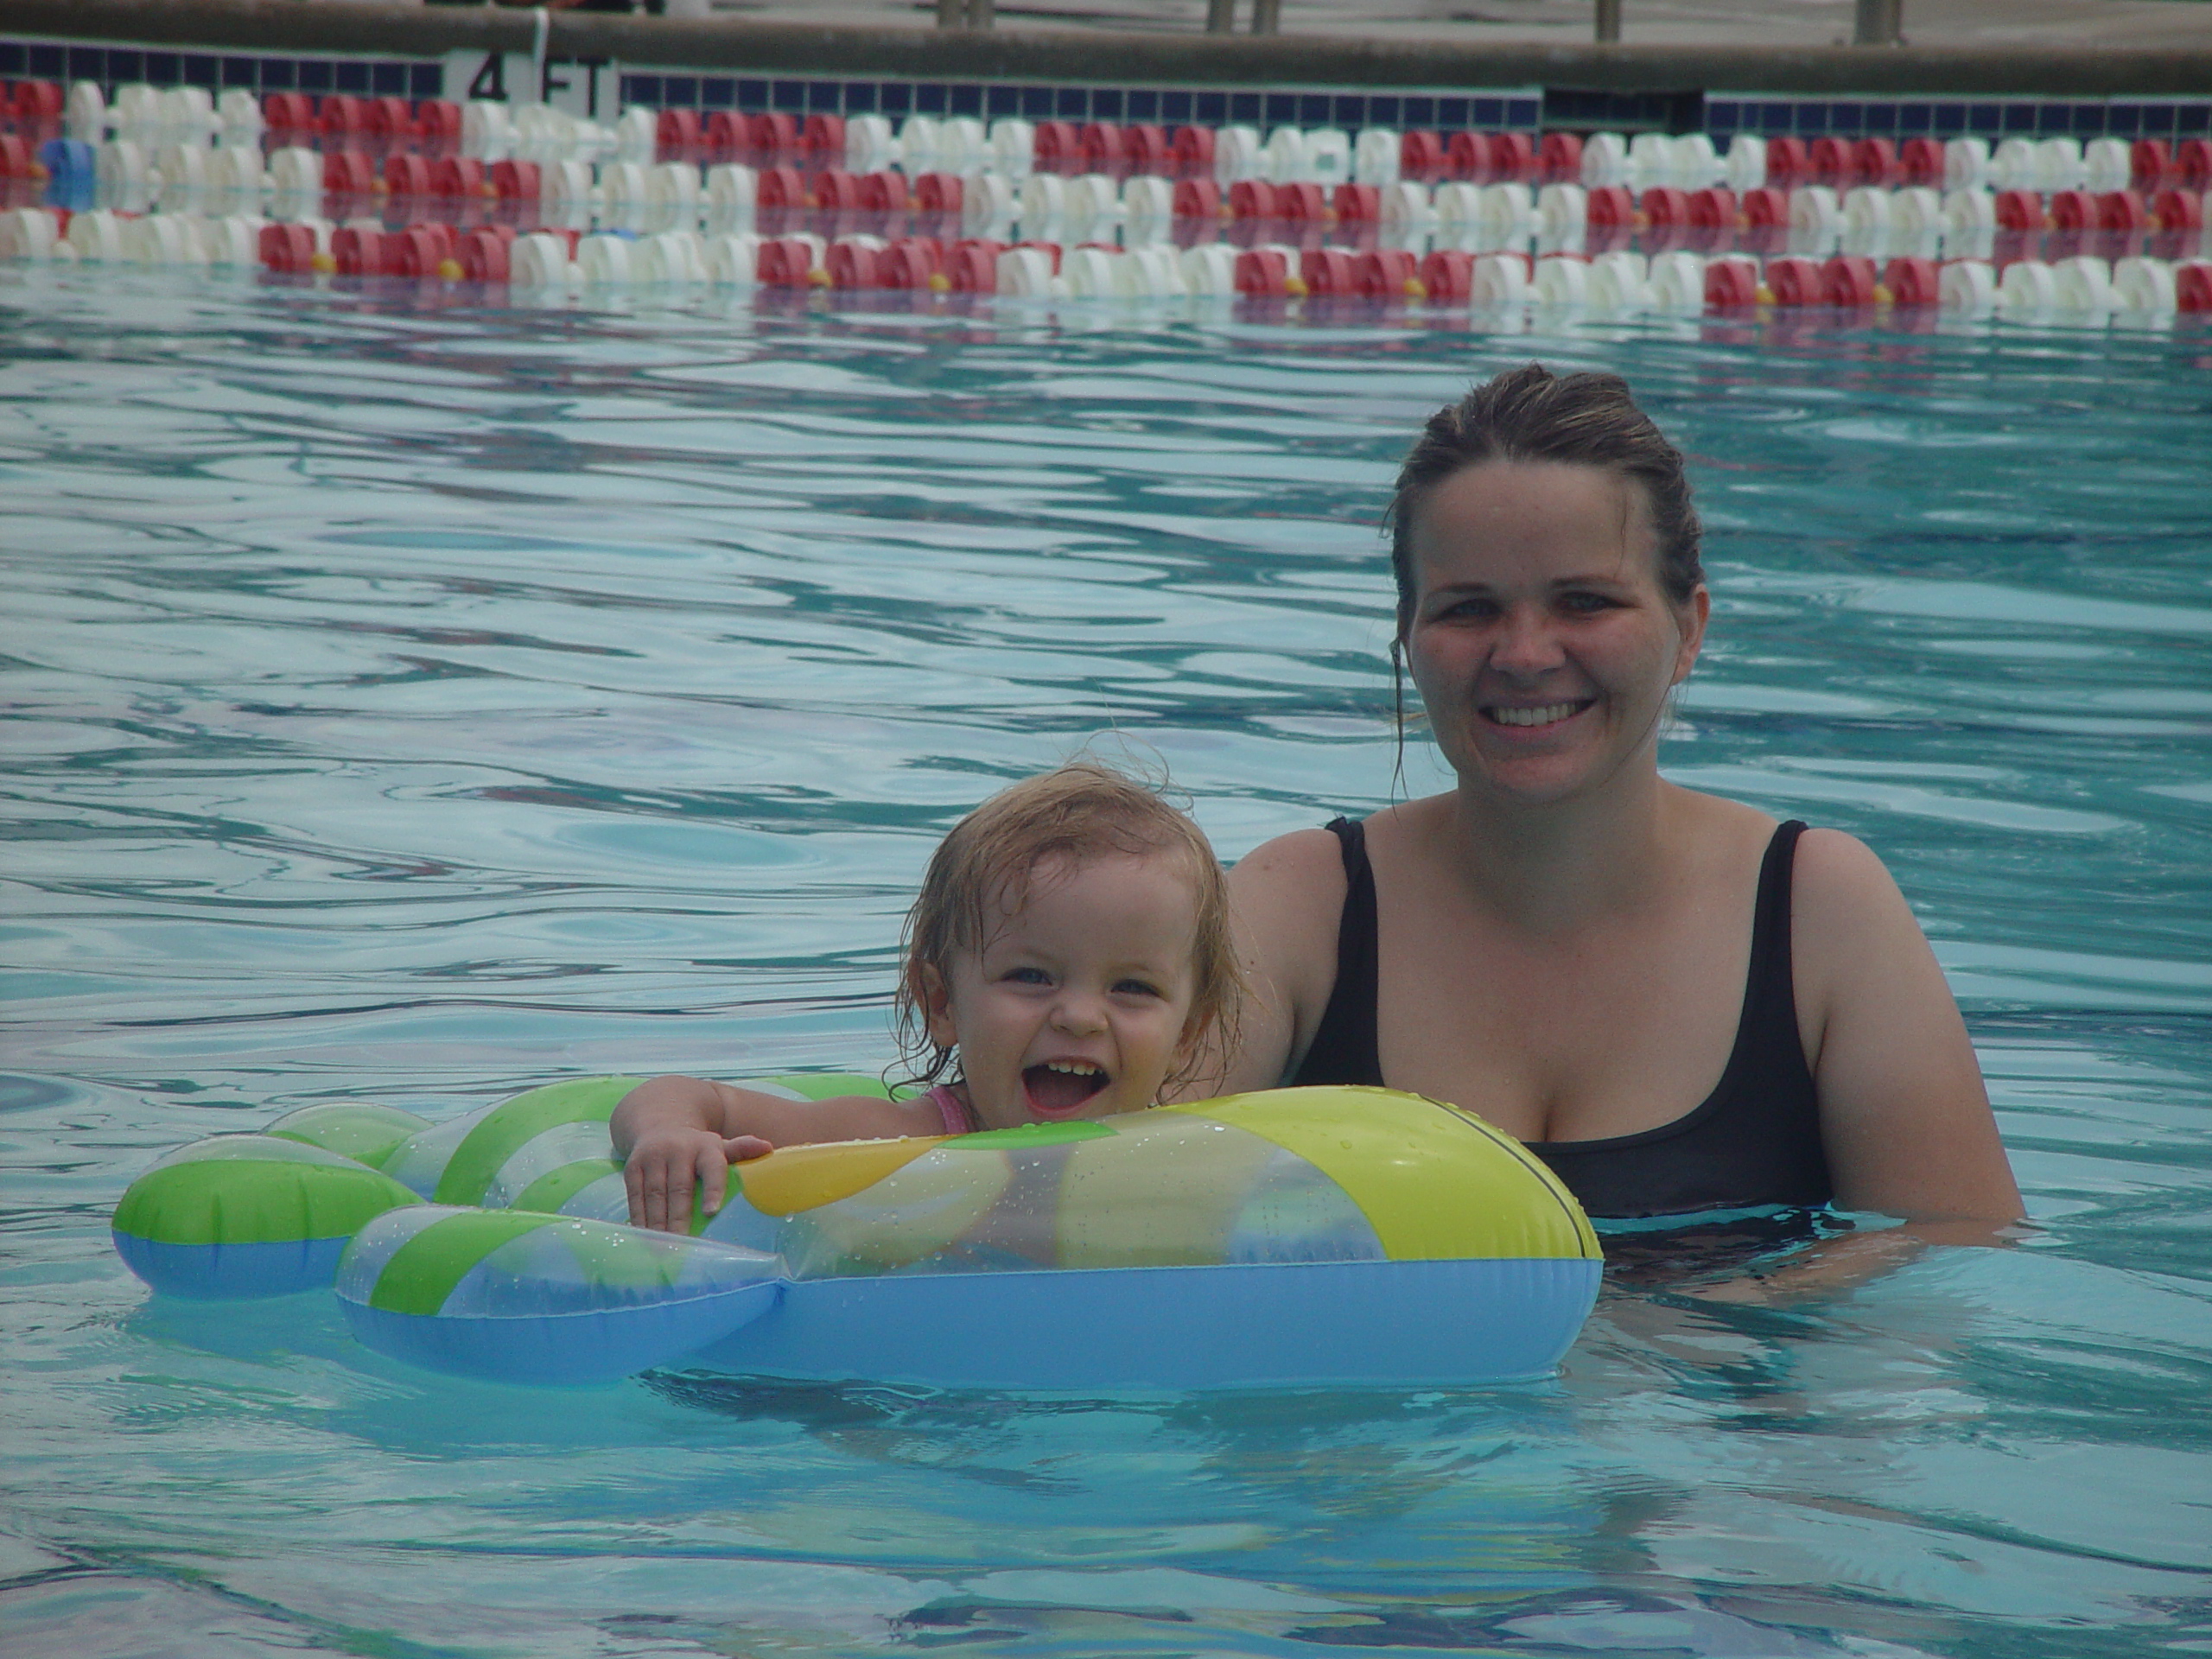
{"x": 2090, "y": 25}
{"x": 2047, "y": 49}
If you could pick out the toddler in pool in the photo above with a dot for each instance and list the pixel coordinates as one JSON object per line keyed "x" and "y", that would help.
{"x": 1067, "y": 958}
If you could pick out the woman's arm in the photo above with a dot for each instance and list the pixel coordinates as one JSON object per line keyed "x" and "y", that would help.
{"x": 1905, "y": 1117}
{"x": 1288, "y": 894}
{"x": 676, "y": 1134}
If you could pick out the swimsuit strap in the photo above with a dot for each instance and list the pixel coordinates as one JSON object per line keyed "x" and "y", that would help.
{"x": 958, "y": 1119}
{"x": 1344, "y": 1047}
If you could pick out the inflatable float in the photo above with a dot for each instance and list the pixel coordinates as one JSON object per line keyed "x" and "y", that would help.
{"x": 1334, "y": 1236}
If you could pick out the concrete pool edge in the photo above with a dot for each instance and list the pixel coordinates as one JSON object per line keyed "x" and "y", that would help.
{"x": 1082, "y": 56}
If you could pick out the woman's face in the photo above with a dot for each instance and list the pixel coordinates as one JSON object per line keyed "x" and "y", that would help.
{"x": 1540, "y": 640}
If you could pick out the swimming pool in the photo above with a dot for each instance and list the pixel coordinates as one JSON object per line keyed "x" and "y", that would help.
{"x": 417, "y": 705}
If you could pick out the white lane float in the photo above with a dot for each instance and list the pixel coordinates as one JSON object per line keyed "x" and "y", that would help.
{"x": 1605, "y": 160}
{"x": 1965, "y": 164}
{"x": 1499, "y": 279}
{"x": 1375, "y": 156}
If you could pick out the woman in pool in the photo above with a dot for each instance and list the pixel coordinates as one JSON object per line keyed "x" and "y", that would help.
{"x": 1678, "y": 1003}
{"x": 1069, "y": 958}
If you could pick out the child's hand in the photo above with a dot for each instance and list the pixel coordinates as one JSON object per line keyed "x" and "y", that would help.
{"x": 666, "y": 1166}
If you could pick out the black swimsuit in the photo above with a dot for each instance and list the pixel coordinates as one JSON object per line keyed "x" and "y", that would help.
{"x": 1755, "y": 1142}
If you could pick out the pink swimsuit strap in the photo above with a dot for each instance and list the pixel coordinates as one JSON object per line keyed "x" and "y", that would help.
{"x": 958, "y": 1120}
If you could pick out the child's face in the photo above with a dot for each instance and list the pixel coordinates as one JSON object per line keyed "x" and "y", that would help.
{"x": 1075, "y": 1005}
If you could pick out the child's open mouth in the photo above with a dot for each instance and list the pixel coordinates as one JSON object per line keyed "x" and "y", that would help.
{"x": 1057, "y": 1087}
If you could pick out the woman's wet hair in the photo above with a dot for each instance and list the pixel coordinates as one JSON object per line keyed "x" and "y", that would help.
{"x": 1530, "y": 414}
{"x": 1073, "y": 814}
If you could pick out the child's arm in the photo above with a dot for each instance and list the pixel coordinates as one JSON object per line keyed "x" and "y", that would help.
{"x": 674, "y": 1132}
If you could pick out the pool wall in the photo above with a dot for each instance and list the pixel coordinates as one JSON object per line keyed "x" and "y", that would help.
{"x": 593, "y": 65}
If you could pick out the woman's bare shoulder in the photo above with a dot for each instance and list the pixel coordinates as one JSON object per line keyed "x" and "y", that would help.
{"x": 1840, "y": 887}
{"x": 1300, "y": 854}
{"x": 1290, "y": 888}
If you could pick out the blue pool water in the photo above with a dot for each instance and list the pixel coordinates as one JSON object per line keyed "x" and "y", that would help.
{"x": 415, "y": 705}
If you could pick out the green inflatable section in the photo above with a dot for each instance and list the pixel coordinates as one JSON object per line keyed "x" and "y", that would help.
{"x": 422, "y": 1272}
{"x": 352, "y": 1128}
{"x": 549, "y": 1193}
{"x": 255, "y": 1189}
{"x": 468, "y": 1173}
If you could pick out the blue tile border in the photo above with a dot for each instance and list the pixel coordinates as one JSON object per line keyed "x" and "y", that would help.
{"x": 218, "y": 72}
{"x": 1166, "y": 105}
{"x": 1727, "y": 115}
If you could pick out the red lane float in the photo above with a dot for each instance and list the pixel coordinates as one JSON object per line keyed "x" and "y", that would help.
{"x": 1847, "y": 280}
{"x": 785, "y": 262}
{"x": 1388, "y": 274}
{"x": 1731, "y": 284}
{"x": 1421, "y": 154}
{"x": 1448, "y": 277}
{"x": 1058, "y": 145}
{"x": 2071, "y": 210}
{"x": 1714, "y": 209}
{"x": 2123, "y": 211}
{"x": 288, "y": 112}
{"x": 1470, "y": 156}
{"x": 939, "y": 193}
{"x": 1197, "y": 198}
{"x": 516, "y": 180}
{"x": 1874, "y": 162}
{"x": 342, "y": 117}
{"x": 1252, "y": 199}
{"x": 1913, "y": 282}
{"x": 1561, "y": 157}
{"x": 1766, "y": 208}
{"x": 1794, "y": 280}
{"x": 1262, "y": 273}
{"x": 1357, "y": 204}
{"x": 349, "y": 173}
{"x": 779, "y": 186}
{"x": 484, "y": 254}
{"x": 972, "y": 266}
{"x": 403, "y": 175}
{"x": 288, "y": 249}
{"x": 1610, "y": 204}
{"x": 1330, "y": 273}
{"x": 2178, "y": 210}
{"x": 1829, "y": 162}
{"x": 835, "y": 191}
{"x": 37, "y": 100}
{"x": 1147, "y": 149}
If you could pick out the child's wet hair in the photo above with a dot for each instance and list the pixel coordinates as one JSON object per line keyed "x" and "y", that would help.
{"x": 1076, "y": 812}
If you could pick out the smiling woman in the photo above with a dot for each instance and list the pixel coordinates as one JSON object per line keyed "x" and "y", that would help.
{"x": 1678, "y": 1003}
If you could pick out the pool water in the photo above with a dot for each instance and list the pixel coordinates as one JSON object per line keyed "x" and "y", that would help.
{"x": 417, "y": 706}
